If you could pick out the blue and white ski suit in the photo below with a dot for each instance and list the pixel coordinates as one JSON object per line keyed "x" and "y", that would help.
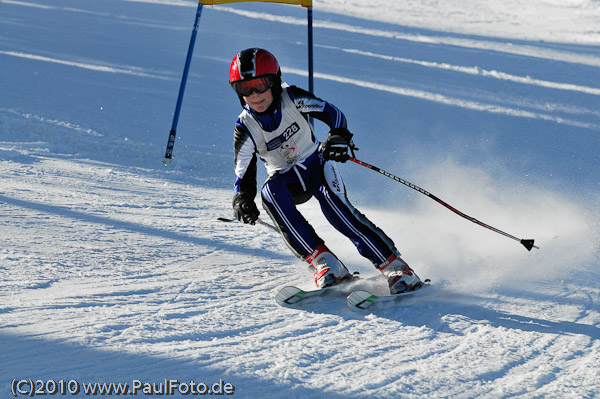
{"x": 285, "y": 142}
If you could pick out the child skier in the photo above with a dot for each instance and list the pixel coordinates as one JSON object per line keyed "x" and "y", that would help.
{"x": 274, "y": 125}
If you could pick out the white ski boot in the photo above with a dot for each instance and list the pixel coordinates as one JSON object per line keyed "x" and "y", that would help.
{"x": 401, "y": 278}
{"x": 327, "y": 267}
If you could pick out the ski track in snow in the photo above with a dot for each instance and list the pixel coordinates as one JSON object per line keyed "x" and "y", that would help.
{"x": 100, "y": 68}
{"x": 458, "y": 102}
{"x": 115, "y": 268}
{"x": 474, "y": 70}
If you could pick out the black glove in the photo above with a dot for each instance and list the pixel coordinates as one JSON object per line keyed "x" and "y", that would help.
{"x": 336, "y": 146}
{"x": 244, "y": 209}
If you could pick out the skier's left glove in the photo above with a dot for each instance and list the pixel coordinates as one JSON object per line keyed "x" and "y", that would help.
{"x": 337, "y": 145}
{"x": 244, "y": 209}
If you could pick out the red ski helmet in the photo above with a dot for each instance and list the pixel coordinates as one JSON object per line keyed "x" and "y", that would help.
{"x": 254, "y": 63}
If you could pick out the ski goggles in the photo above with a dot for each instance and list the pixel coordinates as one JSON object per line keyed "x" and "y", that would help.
{"x": 260, "y": 85}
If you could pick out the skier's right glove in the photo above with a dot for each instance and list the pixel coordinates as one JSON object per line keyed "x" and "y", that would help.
{"x": 336, "y": 146}
{"x": 244, "y": 209}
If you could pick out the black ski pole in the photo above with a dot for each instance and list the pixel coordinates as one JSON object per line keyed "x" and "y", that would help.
{"x": 526, "y": 243}
{"x": 259, "y": 221}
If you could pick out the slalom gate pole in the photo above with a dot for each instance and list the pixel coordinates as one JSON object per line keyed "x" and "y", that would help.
{"x": 186, "y": 69}
{"x": 526, "y": 243}
{"x": 309, "y": 16}
{"x": 311, "y": 80}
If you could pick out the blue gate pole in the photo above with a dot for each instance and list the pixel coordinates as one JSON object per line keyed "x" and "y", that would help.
{"x": 311, "y": 87}
{"x": 186, "y": 69}
{"x": 310, "y": 50}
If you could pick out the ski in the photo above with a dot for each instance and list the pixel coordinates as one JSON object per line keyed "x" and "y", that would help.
{"x": 292, "y": 295}
{"x": 360, "y": 300}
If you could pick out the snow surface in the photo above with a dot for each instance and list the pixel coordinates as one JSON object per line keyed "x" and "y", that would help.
{"x": 115, "y": 268}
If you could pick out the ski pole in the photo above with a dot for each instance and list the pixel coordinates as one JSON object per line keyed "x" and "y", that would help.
{"x": 526, "y": 243}
{"x": 259, "y": 221}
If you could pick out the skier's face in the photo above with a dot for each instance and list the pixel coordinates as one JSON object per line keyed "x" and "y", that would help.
{"x": 259, "y": 102}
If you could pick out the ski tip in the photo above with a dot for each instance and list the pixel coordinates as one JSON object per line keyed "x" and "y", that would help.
{"x": 360, "y": 300}
{"x": 529, "y": 244}
{"x": 289, "y": 295}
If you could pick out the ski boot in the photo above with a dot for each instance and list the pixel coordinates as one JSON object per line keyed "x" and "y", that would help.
{"x": 401, "y": 278}
{"x": 327, "y": 267}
